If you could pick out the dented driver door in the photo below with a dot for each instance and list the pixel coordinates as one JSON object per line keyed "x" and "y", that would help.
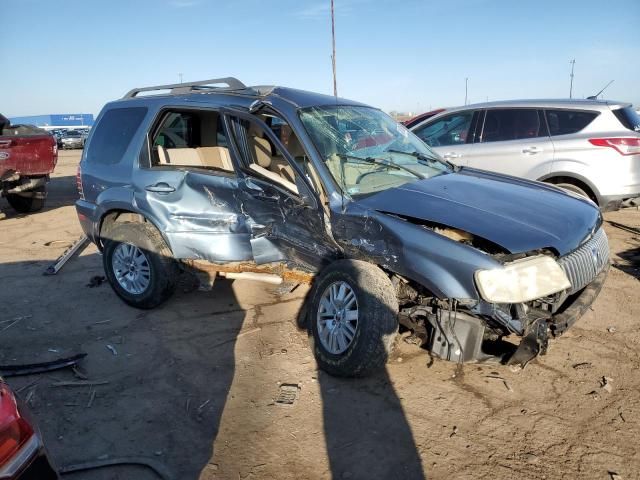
{"x": 281, "y": 208}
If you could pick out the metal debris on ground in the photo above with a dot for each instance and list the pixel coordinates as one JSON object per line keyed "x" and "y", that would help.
{"x": 112, "y": 349}
{"x": 158, "y": 468}
{"x": 96, "y": 281}
{"x": 79, "y": 384}
{"x": 12, "y": 321}
{"x": 60, "y": 262}
{"x": 42, "y": 367}
{"x": 582, "y": 365}
{"x": 605, "y": 384}
{"x": 287, "y": 394}
{"x": 505, "y": 383}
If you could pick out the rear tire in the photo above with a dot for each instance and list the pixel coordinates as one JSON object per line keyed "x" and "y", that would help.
{"x": 27, "y": 204}
{"x": 344, "y": 347}
{"x": 139, "y": 265}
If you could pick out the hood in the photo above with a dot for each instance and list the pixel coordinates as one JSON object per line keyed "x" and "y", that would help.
{"x": 517, "y": 214}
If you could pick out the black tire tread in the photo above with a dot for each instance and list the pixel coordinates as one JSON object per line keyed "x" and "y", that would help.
{"x": 148, "y": 238}
{"x": 26, "y": 204}
{"x": 377, "y": 301}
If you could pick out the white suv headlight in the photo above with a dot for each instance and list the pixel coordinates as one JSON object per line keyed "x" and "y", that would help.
{"x": 522, "y": 280}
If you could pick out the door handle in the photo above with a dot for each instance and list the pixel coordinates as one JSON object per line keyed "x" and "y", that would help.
{"x": 5, "y": 143}
{"x": 450, "y": 155}
{"x": 160, "y": 187}
{"x": 531, "y": 150}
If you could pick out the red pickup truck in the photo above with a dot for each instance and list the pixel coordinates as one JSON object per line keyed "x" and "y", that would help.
{"x": 28, "y": 156}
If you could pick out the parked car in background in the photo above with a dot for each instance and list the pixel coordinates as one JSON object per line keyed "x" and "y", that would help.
{"x": 72, "y": 139}
{"x": 28, "y": 156}
{"x": 589, "y": 147}
{"x": 421, "y": 118}
{"x": 278, "y": 184}
{"x": 22, "y": 453}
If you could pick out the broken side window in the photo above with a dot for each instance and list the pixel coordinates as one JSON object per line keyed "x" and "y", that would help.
{"x": 191, "y": 138}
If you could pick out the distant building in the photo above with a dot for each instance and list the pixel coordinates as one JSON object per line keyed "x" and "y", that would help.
{"x": 52, "y": 121}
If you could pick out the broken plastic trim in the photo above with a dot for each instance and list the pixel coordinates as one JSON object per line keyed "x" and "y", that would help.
{"x": 158, "y": 468}
{"x": 280, "y": 269}
{"x": 31, "y": 368}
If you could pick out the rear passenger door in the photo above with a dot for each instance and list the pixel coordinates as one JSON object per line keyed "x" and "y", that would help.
{"x": 514, "y": 141}
{"x": 187, "y": 185}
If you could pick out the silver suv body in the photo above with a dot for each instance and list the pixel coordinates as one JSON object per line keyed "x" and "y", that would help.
{"x": 282, "y": 185}
{"x": 590, "y": 147}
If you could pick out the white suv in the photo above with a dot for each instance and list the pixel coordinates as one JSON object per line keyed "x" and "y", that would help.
{"x": 591, "y": 147}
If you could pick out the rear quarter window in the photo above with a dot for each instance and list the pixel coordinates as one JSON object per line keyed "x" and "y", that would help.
{"x": 629, "y": 118}
{"x": 564, "y": 122}
{"x": 113, "y": 135}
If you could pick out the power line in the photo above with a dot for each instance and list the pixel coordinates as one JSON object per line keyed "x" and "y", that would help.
{"x": 333, "y": 55}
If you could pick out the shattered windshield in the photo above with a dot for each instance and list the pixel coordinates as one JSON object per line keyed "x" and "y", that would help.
{"x": 366, "y": 151}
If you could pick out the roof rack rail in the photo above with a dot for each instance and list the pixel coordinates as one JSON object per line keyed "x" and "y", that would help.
{"x": 178, "y": 88}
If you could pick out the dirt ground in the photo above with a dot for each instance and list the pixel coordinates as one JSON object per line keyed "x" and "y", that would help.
{"x": 192, "y": 384}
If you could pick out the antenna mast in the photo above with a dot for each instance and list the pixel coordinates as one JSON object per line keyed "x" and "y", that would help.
{"x": 573, "y": 64}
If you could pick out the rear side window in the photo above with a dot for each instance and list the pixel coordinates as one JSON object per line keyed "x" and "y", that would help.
{"x": 629, "y": 118}
{"x": 512, "y": 124}
{"x": 450, "y": 130}
{"x": 564, "y": 122}
{"x": 113, "y": 135}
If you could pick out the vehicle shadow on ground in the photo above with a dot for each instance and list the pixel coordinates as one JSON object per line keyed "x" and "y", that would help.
{"x": 163, "y": 375}
{"x": 367, "y": 433}
{"x": 61, "y": 192}
{"x": 631, "y": 264}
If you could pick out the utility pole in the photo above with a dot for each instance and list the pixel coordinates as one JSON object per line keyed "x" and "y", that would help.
{"x": 333, "y": 54}
{"x": 180, "y": 76}
{"x": 466, "y": 88}
{"x": 573, "y": 64}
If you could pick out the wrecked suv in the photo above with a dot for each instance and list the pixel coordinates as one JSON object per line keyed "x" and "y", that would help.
{"x": 282, "y": 185}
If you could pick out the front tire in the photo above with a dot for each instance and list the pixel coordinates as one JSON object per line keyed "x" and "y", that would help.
{"x": 352, "y": 318}
{"x": 139, "y": 265}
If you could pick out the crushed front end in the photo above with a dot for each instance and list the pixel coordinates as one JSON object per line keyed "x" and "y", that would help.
{"x": 463, "y": 330}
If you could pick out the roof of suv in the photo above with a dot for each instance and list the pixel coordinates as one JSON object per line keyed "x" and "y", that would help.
{"x": 203, "y": 88}
{"x": 546, "y": 103}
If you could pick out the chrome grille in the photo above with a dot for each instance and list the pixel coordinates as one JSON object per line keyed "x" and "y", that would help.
{"x": 583, "y": 264}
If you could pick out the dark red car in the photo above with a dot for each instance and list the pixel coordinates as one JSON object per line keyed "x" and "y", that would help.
{"x": 422, "y": 117}
{"x": 22, "y": 454}
{"x": 28, "y": 156}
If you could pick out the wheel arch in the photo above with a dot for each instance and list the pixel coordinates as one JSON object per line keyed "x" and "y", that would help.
{"x": 576, "y": 179}
{"x": 112, "y": 217}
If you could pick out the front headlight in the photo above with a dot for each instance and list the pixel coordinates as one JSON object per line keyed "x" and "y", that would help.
{"x": 522, "y": 280}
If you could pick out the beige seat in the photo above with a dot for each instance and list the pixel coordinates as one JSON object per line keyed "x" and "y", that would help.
{"x": 274, "y": 177}
{"x": 183, "y": 157}
{"x": 215, "y": 157}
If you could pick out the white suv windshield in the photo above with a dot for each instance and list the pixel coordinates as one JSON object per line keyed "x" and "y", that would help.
{"x": 366, "y": 150}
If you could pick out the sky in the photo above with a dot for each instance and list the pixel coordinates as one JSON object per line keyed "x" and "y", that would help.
{"x": 73, "y": 56}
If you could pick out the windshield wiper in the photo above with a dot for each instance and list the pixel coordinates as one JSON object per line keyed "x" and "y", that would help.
{"x": 381, "y": 161}
{"x": 425, "y": 158}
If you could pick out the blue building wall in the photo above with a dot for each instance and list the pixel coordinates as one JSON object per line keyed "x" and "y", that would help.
{"x": 58, "y": 120}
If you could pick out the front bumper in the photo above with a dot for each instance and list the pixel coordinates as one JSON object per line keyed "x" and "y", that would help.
{"x": 576, "y": 307}
{"x": 536, "y": 336}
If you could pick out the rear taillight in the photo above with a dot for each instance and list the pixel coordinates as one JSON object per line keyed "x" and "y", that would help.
{"x": 79, "y": 182}
{"x": 14, "y": 429}
{"x": 623, "y": 145}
